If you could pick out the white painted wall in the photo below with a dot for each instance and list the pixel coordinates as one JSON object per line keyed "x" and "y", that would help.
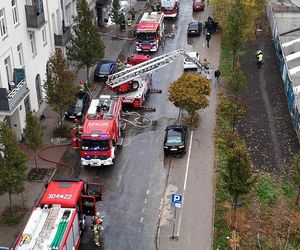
{"x": 34, "y": 64}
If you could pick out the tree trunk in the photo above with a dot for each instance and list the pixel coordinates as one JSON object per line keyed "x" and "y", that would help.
{"x": 87, "y": 75}
{"x": 10, "y": 201}
{"x": 298, "y": 196}
{"x": 35, "y": 162}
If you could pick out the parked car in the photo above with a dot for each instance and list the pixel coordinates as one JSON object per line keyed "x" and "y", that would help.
{"x": 188, "y": 64}
{"x": 198, "y": 4}
{"x": 175, "y": 139}
{"x": 194, "y": 28}
{"x": 80, "y": 106}
{"x": 104, "y": 69}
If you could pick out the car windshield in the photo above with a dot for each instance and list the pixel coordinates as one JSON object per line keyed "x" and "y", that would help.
{"x": 79, "y": 103}
{"x": 105, "y": 68}
{"x": 146, "y": 36}
{"x": 193, "y": 26}
{"x": 99, "y": 145}
{"x": 198, "y": 3}
{"x": 174, "y": 136}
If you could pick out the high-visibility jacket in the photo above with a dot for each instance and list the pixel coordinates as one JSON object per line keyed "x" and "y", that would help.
{"x": 129, "y": 22}
{"x": 260, "y": 57}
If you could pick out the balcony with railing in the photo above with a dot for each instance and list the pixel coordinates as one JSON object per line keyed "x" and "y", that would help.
{"x": 62, "y": 40}
{"x": 35, "y": 15}
{"x": 10, "y": 99}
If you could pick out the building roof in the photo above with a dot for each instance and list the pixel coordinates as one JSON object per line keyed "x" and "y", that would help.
{"x": 64, "y": 193}
{"x": 287, "y": 18}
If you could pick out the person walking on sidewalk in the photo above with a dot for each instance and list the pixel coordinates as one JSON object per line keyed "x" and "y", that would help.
{"x": 217, "y": 76}
{"x": 259, "y": 58}
{"x": 207, "y": 38}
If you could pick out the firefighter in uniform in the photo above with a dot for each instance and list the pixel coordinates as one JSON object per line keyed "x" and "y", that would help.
{"x": 76, "y": 132}
{"x": 129, "y": 22}
{"x": 96, "y": 227}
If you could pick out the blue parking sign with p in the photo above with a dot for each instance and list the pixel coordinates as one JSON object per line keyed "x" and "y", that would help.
{"x": 176, "y": 200}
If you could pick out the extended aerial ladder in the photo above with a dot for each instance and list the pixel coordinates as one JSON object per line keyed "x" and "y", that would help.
{"x": 149, "y": 66}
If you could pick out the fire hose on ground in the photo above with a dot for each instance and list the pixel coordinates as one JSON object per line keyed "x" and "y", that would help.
{"x": 56, "y": 162}
{"x": 136, "y": 121}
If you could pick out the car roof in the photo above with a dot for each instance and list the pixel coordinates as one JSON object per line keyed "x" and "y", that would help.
{"x": 192, "y": 54}
{"x": 178, "y": 126}
{"x": 193, "y": 23}
{"x": 106, "y": 62}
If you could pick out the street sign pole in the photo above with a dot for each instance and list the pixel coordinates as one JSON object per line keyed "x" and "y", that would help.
{"x": 176, "y": 200}
{"x": 174, "y": 224}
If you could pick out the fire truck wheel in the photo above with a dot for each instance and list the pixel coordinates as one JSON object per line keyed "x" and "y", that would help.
{"x": 134, "y": 85}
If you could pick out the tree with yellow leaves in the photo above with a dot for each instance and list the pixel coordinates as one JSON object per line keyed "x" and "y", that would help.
{"x": 190, "y": 92}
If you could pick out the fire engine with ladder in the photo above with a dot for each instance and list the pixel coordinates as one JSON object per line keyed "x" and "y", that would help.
{"x": 133, "y": 83}
{"x": 100, "y": 134}
{"x": 60, "y": 218}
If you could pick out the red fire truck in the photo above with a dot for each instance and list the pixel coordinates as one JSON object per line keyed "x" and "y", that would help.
{"x": 170, "y": 8}
{"x": 58, "y": 221}
{"x": 149, "y": 31}
{"x": 100, "y": 134}
{"x": 133, "y": 83}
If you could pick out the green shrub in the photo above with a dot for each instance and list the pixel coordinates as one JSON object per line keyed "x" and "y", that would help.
{"x": 62, "y": 131}
{"x": 266, "y": 190}
{"x": 288, "y": 190}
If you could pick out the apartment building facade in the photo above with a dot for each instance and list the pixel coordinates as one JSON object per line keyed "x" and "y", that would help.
{"x": 30, "y": 32}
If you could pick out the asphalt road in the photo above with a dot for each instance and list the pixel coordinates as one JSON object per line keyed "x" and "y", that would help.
{"x": 135, "y": 185}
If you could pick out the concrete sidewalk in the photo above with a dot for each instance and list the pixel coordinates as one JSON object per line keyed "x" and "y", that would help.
{"x": 33, "y": 190}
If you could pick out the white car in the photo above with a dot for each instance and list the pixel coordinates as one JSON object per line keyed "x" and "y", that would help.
{"x": 187, "y": 64}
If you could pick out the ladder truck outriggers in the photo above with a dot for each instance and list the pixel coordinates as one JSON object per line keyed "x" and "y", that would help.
{"x": 133, "y": 83}
{"x": 149, "y": 32}
{"x": 59, "y": 219}
{"x": 100, "y": 134}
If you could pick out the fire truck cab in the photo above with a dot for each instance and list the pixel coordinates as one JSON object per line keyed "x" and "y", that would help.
{"x": 101, "y": 131}
{"x": 58, "y": 221}
{"x": 149, "y": 32}
{"x": 170, "y": 8}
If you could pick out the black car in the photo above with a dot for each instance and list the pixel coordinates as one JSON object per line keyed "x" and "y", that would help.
{"x": 175, "y": 139}
{"x": 104, "y": 69}
{"x": 194, "y": 28}
{"x": 80, "y": 107}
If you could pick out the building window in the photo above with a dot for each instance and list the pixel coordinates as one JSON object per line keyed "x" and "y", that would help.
{"x": 20, "y": 54}
{"x": 3, "y": 26}
{"x": 15, "y": 12}
{"x": 32, "y": 43}
{"x": 8, "y": 71}
{"x": 44, "y": 34}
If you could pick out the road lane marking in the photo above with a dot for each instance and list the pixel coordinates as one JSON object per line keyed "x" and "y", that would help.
{"x": 185, "y": 181}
